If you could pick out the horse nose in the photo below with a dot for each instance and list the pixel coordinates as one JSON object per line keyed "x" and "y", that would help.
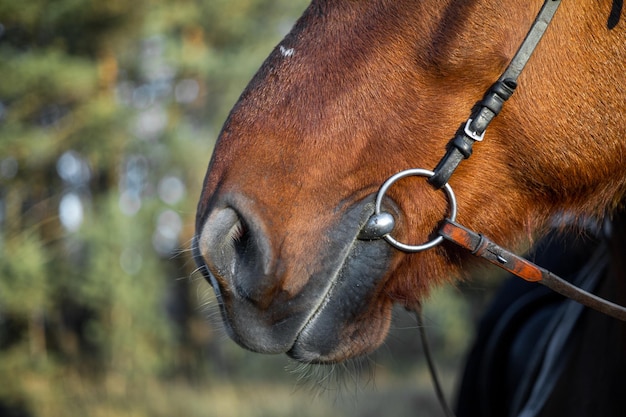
{"x": 237, "y": 252}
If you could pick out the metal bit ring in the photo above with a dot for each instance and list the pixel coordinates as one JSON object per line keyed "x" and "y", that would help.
{"x": 409, "y": 173}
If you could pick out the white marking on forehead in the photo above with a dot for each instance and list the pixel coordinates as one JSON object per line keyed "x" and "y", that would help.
{"x": 287, "y": 52}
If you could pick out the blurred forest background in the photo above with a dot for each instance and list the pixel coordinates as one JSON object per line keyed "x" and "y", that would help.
{"x": 108, "y": 114}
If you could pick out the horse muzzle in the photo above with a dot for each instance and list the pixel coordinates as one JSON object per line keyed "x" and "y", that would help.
{"x": 322, "y": 303}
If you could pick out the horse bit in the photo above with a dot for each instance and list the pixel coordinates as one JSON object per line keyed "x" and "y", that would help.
{"x": 381, "y": 223}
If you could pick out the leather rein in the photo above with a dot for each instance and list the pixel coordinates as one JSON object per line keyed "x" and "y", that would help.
{"x": 381, "y": 224}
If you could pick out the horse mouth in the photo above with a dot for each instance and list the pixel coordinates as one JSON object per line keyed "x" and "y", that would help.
{"x": 353, "y": 316}
{"x": 341, "y": 311}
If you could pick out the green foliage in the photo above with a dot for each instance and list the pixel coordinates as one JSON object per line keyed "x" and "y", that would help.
{"x": 108, "y": 114}
{"x": 23, "y": 287}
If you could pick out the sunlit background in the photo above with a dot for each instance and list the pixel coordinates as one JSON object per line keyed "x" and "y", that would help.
{"x": 108, "y": 114}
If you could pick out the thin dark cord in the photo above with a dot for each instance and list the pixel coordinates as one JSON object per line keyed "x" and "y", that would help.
{"x": 431, "y": 364}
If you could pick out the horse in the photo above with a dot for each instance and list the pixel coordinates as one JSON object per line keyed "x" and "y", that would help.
{"x": 359, "y": 90}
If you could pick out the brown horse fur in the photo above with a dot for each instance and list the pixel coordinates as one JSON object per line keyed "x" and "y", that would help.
{"x": 369, "y": 88}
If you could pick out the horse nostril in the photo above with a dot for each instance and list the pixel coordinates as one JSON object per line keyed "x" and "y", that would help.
{"x": 240, "y": 238}
{"x": 237, "y": 251}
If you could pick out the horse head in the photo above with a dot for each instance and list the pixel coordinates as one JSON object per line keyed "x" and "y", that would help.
{"x": 359, "y": 90}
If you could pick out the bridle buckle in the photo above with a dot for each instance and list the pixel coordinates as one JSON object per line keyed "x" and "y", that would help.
{"x": 472, "y": 134}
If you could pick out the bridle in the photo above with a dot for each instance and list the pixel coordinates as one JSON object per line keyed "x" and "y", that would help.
{"x": 381, "y": 223}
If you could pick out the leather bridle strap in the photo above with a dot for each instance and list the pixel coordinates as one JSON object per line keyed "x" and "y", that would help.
{"x": 482, "y": 247}
{"x": 474, "y": 128}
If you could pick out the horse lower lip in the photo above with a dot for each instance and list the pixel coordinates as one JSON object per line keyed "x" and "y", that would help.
{"x": 323, "y": 338}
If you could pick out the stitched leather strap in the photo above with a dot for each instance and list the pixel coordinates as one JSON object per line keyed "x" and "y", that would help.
{"x": 481, "y": 246}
